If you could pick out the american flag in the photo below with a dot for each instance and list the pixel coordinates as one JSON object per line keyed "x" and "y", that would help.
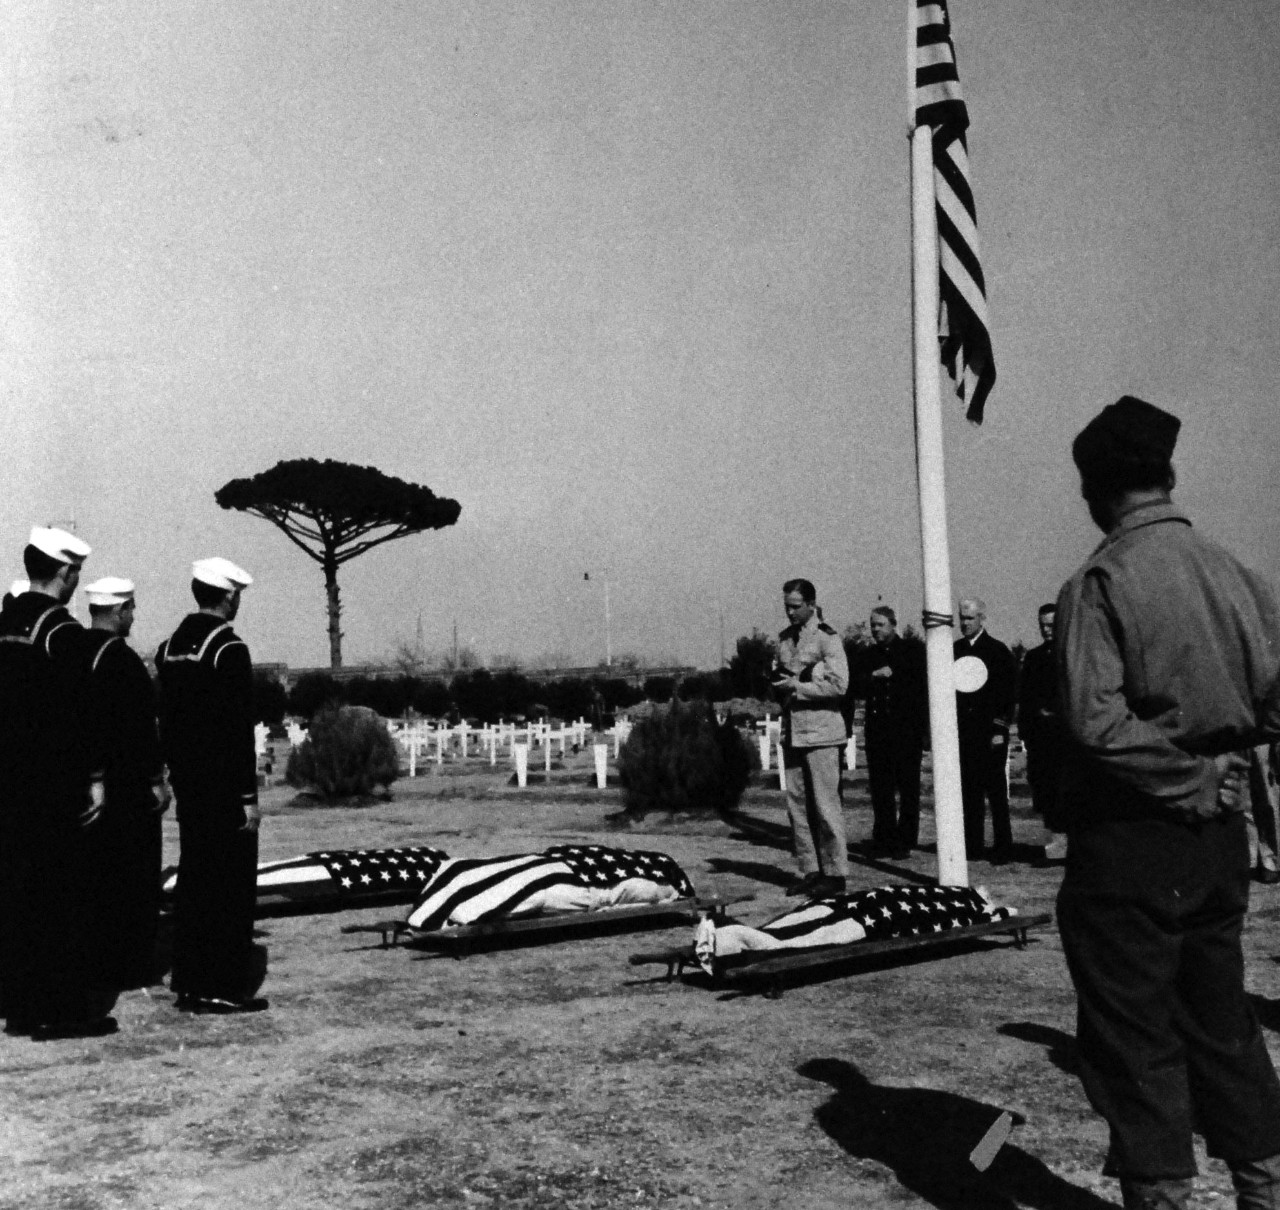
{"x": 893, "y": 911}
{"x": 963, "y": 329}
{"x": 487, "y": 888}
{"x": 342, "y": 875}
{"x": 374, "y": 871}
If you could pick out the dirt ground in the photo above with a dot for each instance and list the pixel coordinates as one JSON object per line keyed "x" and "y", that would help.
{"x": 557, "y": 1075}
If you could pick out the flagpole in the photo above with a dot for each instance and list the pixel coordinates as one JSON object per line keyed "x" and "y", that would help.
{"x": 945, "y": 741}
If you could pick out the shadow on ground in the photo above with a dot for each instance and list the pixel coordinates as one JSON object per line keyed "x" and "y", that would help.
{"x": 778, "y": 836}
{"x": 925, "y": 1136}
{"x": 1061, "y": 1046}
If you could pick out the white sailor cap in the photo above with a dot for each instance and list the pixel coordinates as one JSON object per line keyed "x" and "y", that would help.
{"x": 60, "y": 545}
{"x": 221, "y": 573}
{"x": 110, "y": 590}
{"x": 18, "y": 587}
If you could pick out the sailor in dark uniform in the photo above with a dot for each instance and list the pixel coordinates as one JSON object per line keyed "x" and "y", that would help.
{"x": 127, "y": 858}
{"x": 206, "y": 731}
{"x": 51, "y": 795}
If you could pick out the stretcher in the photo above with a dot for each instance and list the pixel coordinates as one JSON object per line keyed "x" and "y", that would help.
{"x": 771, "y": 967}
{"x": 460, "y": 940}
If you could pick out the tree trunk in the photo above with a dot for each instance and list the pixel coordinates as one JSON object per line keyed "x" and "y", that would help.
{"x": 335, "y": 612}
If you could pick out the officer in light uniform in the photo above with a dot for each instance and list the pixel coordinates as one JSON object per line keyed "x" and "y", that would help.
{"x": 812, "y": 677}
{"x": 128, "y": 853}
{"x": 206, "y": 731}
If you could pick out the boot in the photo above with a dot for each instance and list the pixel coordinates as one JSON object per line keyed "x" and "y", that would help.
{"x": 1156, "y": 1195}
{"x": 1257, "y": 1184}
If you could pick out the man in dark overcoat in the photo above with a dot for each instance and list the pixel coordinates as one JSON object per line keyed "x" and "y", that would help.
{"x": 891, "y": 677}
{"x": 1041, "y": 730}
{"x": 986, "y": 687}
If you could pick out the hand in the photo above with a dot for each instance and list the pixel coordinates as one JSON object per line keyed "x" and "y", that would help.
{"x": 886, "y": 671}
{"x": 160, "y": 793}
{"x": 97, "y": 800}
{"x": 787, "y": 684}
{"x": 1232, "y": 770}
{"x": 252, "y": 817}
{"x": 998, "y": 740}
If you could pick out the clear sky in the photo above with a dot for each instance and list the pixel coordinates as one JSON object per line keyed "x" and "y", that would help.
{"x": 630, "y": 282}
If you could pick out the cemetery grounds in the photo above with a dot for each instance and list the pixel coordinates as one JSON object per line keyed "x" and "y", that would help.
{"x": 557, "y": 1075}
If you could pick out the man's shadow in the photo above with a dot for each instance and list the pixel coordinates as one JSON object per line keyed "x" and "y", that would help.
{"x": 1061, "y": 1046}
{"x": 926, "y": 1136}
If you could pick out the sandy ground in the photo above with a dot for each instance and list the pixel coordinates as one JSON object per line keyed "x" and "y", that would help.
{"x": 557, "y": 1075}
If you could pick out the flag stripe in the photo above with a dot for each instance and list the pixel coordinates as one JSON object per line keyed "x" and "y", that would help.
{"x": 474, "y": 889}
{"x": 964, "y": 338}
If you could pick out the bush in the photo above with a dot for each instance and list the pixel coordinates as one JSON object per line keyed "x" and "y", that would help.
{"x": 269, "y": 700}
{"x": 679, "y": 758}
{"x": 313, "y": 690}
{"x": 348, "y": 751}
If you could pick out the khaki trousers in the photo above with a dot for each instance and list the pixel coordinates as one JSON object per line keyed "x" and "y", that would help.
{"x": 817, "y": 816}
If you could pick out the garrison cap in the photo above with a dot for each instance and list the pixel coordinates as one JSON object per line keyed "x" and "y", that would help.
{"x": 60, "y": 545}
{"x": 220, "y": 573}
{"x": 110, "y": 590}
{"x": 1128, "y": 440}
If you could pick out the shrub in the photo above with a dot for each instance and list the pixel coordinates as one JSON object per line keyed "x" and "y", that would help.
{"x": 348, "y": 751}
{"x": 269, "y": 699}
{"x": 311, "y": 691}
{"x": 679, "y": 758}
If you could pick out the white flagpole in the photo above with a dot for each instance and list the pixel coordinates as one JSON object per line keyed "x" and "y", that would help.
{"x": 945, "y": 741}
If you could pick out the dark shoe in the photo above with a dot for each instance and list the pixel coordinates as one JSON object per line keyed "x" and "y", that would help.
{"x": 825, "y": 886}
{"x": 18, "y": 1028}
{"x": 1172, "y": 1194}
{"x": 1270, "y": 877}
{"x": 802, "y": 885}
{"x": 74, "y": 1029}
{"x": 901, "y": 853}
{"x": 213, "y": 1006}
{"x": 1257, "y": 1184}
{"x": 1000, "y": 856}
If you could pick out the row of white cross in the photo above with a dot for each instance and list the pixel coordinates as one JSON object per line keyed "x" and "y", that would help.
{"x": 770, "y": 739}
{"x": 518, "y": 738}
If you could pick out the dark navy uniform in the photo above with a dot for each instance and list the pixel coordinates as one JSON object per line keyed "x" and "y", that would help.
{"x": 894, "y": 731}
{"x": 984, "y": 717}
{"x": 206, "y": 732}
{"x": 128, "y": 859}
{"x": 1041, "y": 729}
{"x": 50, "y": 753}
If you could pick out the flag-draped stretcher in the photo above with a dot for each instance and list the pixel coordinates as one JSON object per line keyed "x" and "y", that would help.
{"x": 339, "y": 877}
{"x": 874, "y": 915}
{"x": 562, "y": 880}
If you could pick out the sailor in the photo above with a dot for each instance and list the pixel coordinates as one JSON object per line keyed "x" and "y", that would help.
{"x": 206, "y": 732}
{"x": 51, "y": 795}
{"x": 127, "y": 857}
